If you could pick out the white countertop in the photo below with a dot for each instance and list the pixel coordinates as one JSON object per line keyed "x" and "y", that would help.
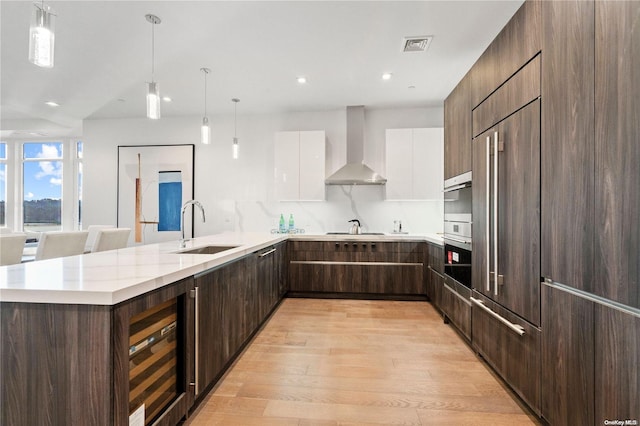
{"x": 111, "y": 277}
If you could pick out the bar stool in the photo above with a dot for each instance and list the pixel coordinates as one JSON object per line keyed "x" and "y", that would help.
{"x": 60, "y": 244}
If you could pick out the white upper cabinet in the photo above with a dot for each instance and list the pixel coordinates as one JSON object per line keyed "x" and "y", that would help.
{"x": 299, "y": 165}
{"x": 414, "y": 164}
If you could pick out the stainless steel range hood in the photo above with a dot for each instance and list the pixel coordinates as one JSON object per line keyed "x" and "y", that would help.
{"x": 355, "y": 172}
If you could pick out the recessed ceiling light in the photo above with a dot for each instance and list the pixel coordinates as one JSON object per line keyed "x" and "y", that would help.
{"x": 166, "y": 98}
{"x": 302, "y": 80}
{"x": 52, "y": 104}
{"x": 412, "y": 87}
{"x": 386, "y": 76}
{"x": 121, "y": 100}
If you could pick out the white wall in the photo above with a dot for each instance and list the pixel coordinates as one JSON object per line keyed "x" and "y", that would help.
{"x": 238, "y": 194}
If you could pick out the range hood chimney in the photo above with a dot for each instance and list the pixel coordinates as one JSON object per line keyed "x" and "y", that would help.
{"x": 355, "y": 172}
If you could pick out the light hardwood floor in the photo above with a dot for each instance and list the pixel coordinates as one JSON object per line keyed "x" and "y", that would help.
{"x": 358, "y": 362}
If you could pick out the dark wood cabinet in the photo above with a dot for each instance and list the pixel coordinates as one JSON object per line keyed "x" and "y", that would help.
{"x": 357, "y": 267}
{"x": 270, "y": 279}
{"x": 515, "y": 356}
{"x": 518, "y": 42}
{"x": 232, "y": 301}
{"x": 456, "y": 306}
{"x": 568, "y": 358}
{"x": 211, "y": 352}
{"x": 518, "y": 213}
{"x": 39, "y": 384}
{"x": 436, "y": 288}
{"x": 435, "y": 266}
{"x": 514, "y": 94}
{"x": 617, "y": 361}
{"x": 436, "y": 257}
{"x": 567, "y": 178}
{"x": 457, "y": 129}
{"x": 617, "y": 151}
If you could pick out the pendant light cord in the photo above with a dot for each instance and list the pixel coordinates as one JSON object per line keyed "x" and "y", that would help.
{"x": 235, "y": 120}
{"x": 153, "y": 44}
{"x": 205, "y": 93}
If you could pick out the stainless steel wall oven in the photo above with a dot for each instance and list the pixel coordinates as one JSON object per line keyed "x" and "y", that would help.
{"x": 457, "y": 228}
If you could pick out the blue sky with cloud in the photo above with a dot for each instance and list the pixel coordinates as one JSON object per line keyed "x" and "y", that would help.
{"x": 43, "y": 178}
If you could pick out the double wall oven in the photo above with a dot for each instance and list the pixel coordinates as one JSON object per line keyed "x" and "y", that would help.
{"x": 457, "y": 228}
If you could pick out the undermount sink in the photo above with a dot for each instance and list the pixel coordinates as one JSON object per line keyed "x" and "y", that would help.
{"x": 207, "y": 250}
{"x": 362, "y": 233}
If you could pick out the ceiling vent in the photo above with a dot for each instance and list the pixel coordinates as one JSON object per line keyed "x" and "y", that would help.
{"x": 416, "y": 44}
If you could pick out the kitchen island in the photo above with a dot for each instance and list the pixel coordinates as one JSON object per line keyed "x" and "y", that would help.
{"x": 70, "y": 326}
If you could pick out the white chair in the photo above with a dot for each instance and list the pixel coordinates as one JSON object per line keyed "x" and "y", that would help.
{"x": 61, "y": 244}
{"x": 93, "y": 233}
{"x": 111, "y": 239}
{"x": 11, "y": 247}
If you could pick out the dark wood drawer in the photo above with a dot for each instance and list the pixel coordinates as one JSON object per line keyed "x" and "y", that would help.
{"x": 456, "y": 305}
{"x": 349, "y": 277}
{"x": 515, "y": 357}
{"x": 517, "y": 92}
{"x": 294, "y": 245}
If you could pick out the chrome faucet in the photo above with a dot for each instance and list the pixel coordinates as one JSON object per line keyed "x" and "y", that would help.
{"x": 195, "y": 203}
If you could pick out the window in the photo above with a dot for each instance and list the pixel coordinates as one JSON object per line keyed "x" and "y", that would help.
{"x": 42, "y": 186}
{"x": 3, "y": 183}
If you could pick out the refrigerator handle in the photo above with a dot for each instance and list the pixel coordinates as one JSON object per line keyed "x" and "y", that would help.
{"x": 488, "y": 214}
{"x": 495, "y": 212}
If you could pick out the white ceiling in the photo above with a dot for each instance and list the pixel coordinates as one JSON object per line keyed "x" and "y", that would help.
{"x": 254, "y": 49}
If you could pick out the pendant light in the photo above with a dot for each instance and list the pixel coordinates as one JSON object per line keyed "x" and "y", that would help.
{"x": 235, "y": 128}
{"x": 205, "y": 130}
{"x": 153, "y": 91}
{"x": 42, "y": 36}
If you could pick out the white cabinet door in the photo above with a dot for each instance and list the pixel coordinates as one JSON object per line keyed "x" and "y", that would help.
{"x": 399, "y": 154}
{"x": 299, "y": 160}
{"x": 312, "y": 165}
{"x": 286, "y": 162}
{"x": 414, "y": 160}
{"x": 428, "y": 163}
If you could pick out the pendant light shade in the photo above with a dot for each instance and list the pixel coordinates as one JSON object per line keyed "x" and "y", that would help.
{"x": 153, "y": 92}
{"x": 153, "y": 101}
{"x": 205, "y": 130}
{"x": 42, "y": 36}
{"x": 236, "y": 147}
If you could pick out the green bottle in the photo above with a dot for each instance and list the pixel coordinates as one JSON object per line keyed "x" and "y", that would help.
{"x": 282, "y": 228}
{"x": 292, "y": 226}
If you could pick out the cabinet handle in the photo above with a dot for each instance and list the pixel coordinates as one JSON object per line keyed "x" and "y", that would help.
{"x": 197, "y": 339}
{"x": 514, "y": 327}
{"x": 266, "y": 253}
{"x": 458, "y": 295}
{"x": 457, "y": 240}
